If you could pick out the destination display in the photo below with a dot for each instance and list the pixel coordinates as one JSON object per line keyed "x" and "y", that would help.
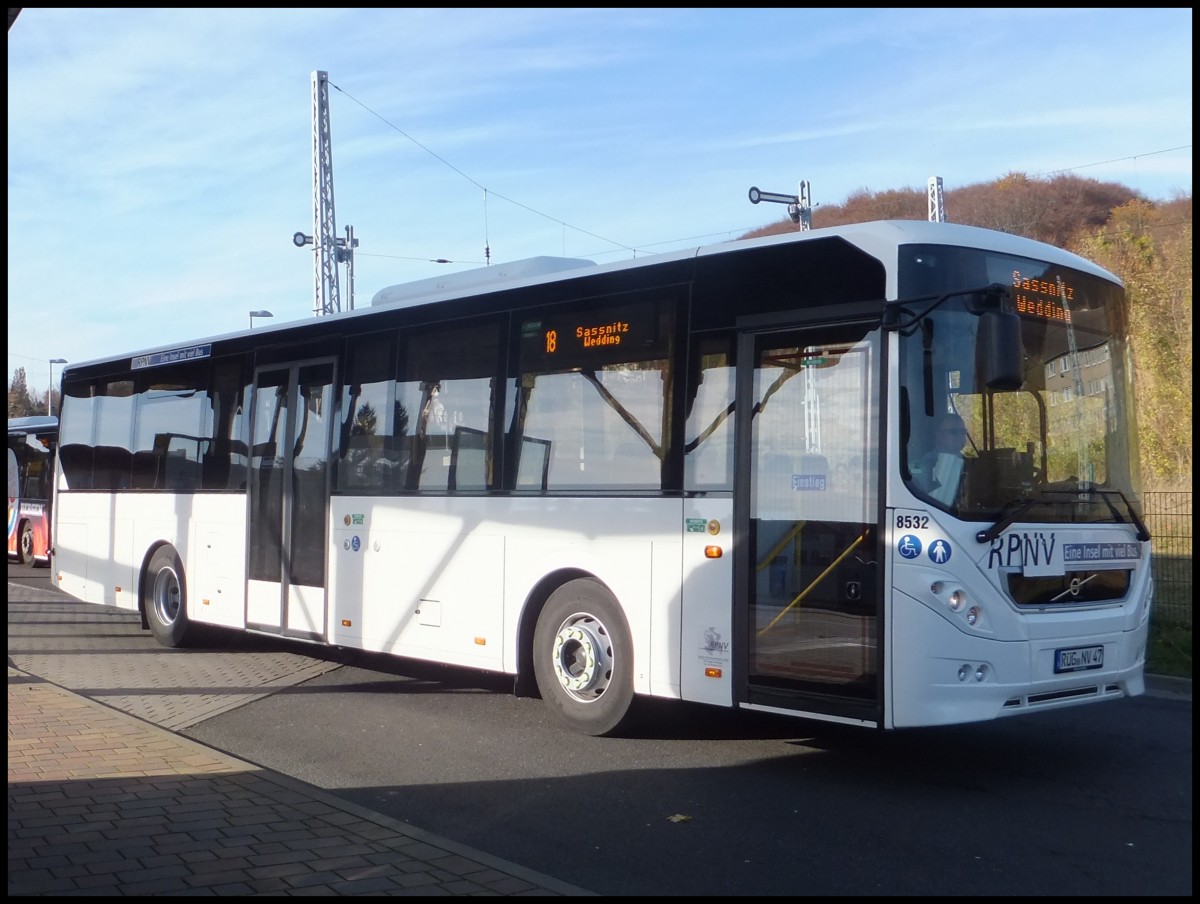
{"x": 596, "y": 337}
{"x": 1041, "y": 298}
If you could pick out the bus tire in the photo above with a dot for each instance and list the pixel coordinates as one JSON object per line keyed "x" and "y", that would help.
{"x": 164, "y": 598}
{"x": 583, "y": 658}
{"x": 25, "y": 544}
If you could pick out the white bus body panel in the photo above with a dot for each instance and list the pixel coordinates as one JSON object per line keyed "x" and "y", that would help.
{"x": 706, "y": 654}
{"x": 418, "y": 577}
{"x": 447, "y": 579}
{"x": 115, "y": 534}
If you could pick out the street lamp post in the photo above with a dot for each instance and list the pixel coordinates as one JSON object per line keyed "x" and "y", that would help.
{"x": 50, "y": 388}
{"x": 254, "y": 314}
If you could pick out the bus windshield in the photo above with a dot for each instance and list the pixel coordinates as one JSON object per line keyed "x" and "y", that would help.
{"x": 1058, "y": 448}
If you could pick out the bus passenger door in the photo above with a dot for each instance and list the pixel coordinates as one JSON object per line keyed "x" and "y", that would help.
{"x": 807, "y": 491}
{"x": 291, "y": 428}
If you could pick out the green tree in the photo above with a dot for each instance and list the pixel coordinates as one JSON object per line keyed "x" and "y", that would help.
{"x": 365, "y": 421}
{"x": 20, "y": 403}
{"x": 1150, "y": 248}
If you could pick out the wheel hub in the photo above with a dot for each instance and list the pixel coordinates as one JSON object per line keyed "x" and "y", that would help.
{"x": 582, "y": 658}
{"x": 166, "y": 596}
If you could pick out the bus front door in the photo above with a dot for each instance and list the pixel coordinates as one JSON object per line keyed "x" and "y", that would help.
{"x": 291, "y": 424}
{"x": 809, "y": 487}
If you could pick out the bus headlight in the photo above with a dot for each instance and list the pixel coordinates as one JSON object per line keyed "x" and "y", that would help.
{"x": 957, "y": 599}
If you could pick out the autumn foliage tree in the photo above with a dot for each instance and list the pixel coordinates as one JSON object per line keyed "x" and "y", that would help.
{"x": 1150, "y": 248}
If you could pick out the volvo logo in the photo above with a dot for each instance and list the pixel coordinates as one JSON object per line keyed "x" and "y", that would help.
{"x": 1075, "y": 586}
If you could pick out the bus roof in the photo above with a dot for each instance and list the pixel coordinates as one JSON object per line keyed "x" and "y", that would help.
{"x": 875, "y": 237}
{"x": 34, "y": 424}
{"x": 878, "y": 235}
{"x": 483, "y": 278}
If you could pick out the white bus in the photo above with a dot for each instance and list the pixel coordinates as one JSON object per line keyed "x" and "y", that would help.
{"x": 705, "y": 476}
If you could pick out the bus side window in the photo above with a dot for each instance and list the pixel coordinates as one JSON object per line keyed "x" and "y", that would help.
{"x": 449, "y": 384}
{"x": 635, "y": 465}
{"x": 76, "y": 460}
{"x": 710, "y": 417}
{"x": 372, "y": 465}
{"x": 34, "y": 483}
{"x": 370, "y": 456}
{"x": 215, "y": 470}
{"x": 468, "y": 460}
{"x": 533, "y": 464}
{"x": 112, "y": 467}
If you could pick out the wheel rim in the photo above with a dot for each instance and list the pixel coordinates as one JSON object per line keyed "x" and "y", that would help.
{"x": 165, "y": 596}
{"x": 583, "y": 660}
{"x": 27, "y": 542}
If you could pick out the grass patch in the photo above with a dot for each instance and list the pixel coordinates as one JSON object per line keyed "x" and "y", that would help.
{"x": 1170, "y": 650}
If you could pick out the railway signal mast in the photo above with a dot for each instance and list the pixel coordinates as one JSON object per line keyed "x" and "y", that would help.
{"x": 937, "y": 202}
{"x": 799, "y": 205}
{"x": 329, "y": 249}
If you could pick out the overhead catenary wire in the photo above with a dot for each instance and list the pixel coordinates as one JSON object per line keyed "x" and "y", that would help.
{"x": 633, "y": 249}
{"x": 484, "y": 189}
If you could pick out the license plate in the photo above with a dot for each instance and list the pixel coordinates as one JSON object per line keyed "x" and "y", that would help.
{"x": 1077, "y": 659}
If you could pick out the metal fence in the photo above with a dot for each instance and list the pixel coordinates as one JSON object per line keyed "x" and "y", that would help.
{"x": 1169, "y": 520}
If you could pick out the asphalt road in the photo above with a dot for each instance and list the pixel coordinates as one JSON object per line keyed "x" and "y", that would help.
{"x": 1095, "y": 800}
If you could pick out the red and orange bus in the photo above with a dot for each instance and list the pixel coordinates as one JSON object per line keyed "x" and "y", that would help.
{"x": 32, "y": 444}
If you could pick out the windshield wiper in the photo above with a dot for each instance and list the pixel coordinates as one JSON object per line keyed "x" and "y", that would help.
{"x": 1017, "y": 507}
{"x": 1008, "y": 515}
{"x": 1142, "y": 532}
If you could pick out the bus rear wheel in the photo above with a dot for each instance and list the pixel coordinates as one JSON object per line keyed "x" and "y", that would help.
{"x": 583, "y": 658}
{"x": 164, "y": 598}
{"x": 25, "y": 544}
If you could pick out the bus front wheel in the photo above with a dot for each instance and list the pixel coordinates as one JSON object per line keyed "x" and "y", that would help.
{"x": 164, "y": 598}
{"x": 25, "y": 544}
{"x": 583, "y": 658}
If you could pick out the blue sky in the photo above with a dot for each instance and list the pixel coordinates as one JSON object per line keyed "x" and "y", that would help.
{"x": 159, "y": 161}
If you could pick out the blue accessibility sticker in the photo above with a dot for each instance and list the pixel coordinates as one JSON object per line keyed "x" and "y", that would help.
{"x": 909, "y": 546}
{"x": 355, "y": 543}
{"x": 940, "y": 552}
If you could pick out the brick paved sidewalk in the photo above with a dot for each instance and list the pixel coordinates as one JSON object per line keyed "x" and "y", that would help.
{"x": 102, "y": 803}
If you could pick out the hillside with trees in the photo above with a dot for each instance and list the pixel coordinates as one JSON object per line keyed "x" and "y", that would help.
{"x": 1148, "y": 244}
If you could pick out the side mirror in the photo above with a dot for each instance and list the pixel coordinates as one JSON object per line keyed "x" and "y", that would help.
{"x": 998, "y": 344}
